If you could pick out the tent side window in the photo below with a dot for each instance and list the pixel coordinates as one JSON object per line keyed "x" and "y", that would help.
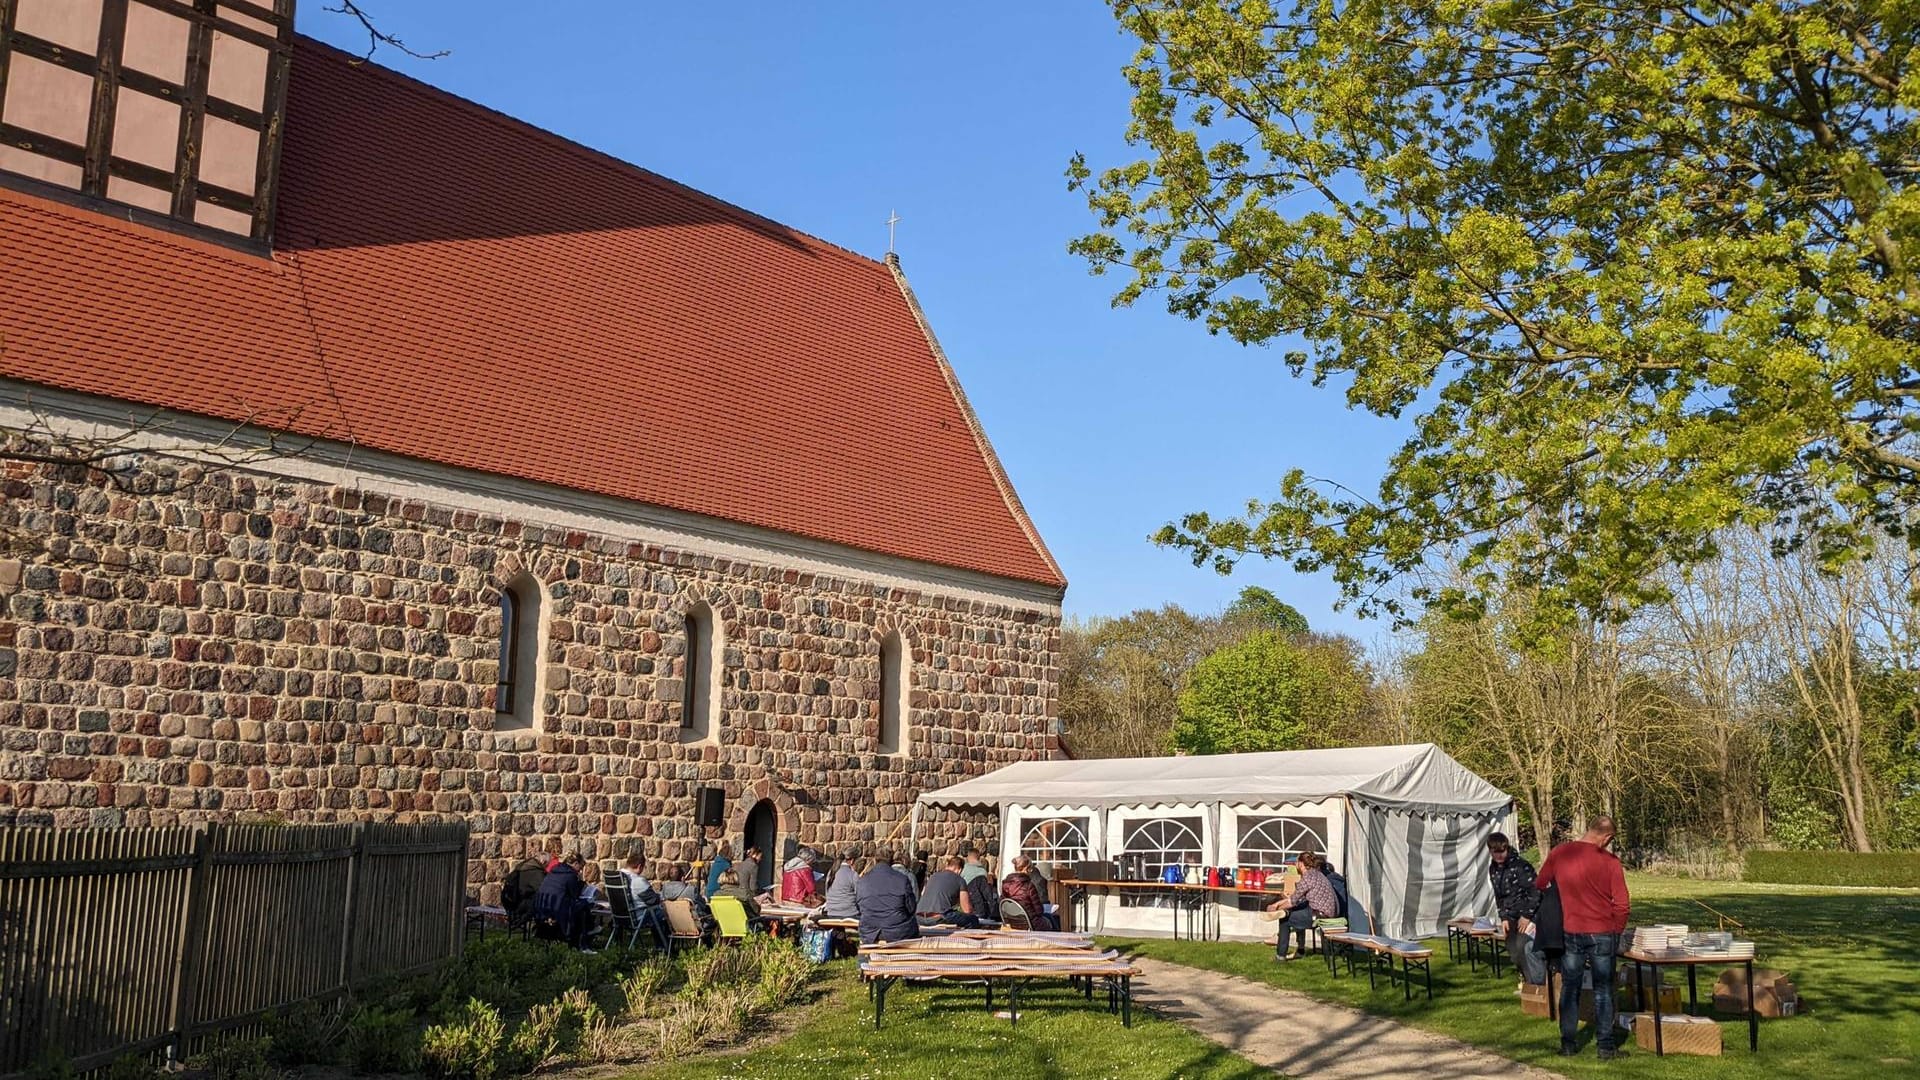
{"x": 1162, "y": 842}
{"x": 1272, "y": 843}
{"x": 1058, "y": 841}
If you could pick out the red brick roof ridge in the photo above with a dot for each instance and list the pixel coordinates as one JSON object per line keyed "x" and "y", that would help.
{"x": 999, "y": 472}
{"x": 571, "y": 146}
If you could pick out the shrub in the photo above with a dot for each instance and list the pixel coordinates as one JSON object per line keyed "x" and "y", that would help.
{"x": 730, "y": 1011}
{"x": 382, "y": 1040}
{"x": 467, "y": 1047}
{"x": 784, "y": 972}
{"x": 1888, "y": 869}
{"x": 552, "y": 1029}
{"x": 603, "y": 1042}
{"x": 682, "y": 1029}
{"x": 639, "y": 987}
{"x": 235, "y": 1059}
{"x": 133, "y": 1067}
{"x": 306, "y": 1033}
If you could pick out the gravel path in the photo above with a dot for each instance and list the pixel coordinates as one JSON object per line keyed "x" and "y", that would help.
{"x": 1307, "y": 1039}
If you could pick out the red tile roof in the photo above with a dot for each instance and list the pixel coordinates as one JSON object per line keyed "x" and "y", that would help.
{"x": 453, "y": 285}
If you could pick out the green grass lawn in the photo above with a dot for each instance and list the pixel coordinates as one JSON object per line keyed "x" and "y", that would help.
{"x": 942, "y": 1030}
{"x": 1855, "y": 955}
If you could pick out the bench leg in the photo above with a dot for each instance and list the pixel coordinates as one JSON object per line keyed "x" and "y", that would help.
{"x": 1013, "y": 1000}
{"x": 1426, "y": 968}
{"x": 1406, "y": 980}
{"x": 989, "y": 983}
{"x": 1126, "y": 1000}
{"x": 1373, "y": 965}
{"x": 879, "y": 1000}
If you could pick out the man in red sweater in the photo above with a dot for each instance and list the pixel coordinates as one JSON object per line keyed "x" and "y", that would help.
{"x": 1594, "y": 908}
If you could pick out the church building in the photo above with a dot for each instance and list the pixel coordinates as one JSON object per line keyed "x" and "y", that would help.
{"x": 374, "y": 455}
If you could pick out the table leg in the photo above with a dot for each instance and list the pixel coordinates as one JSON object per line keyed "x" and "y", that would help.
{"x": 1659, "y": 1032}
{"x": 989, "y": 983}
{"x": 1013, "y": 1000}
{"x": 1473, "y": 954}
{"x": 1406, "y": 980}
{"x": 1753, "y": 1018}
{"x": 1126, "y": 1001}
{"x": 1426, "y": 967}
{"x": 1693, "y": 990}
{"x": 1495, "y": 948}
{"x": 879, "y": 1000}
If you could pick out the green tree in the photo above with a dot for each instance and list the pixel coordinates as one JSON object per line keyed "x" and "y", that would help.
{"x": 1120, "y": 678}
{"x": 1259, "y": 607}
{"x": 1635, "y": 271}
{"x": 1270, "y": 691}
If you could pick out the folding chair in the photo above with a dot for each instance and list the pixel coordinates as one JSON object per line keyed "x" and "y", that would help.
{"x": 625, "y": 920}
{"x": 682, "y": 927}
{"x": 1013, "y": 916}
{"x": 731, "y": 914}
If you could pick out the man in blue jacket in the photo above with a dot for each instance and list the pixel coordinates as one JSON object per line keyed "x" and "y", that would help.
{"x": 888, "y": 902}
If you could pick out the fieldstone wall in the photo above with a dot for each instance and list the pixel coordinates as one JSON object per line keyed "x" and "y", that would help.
{"x": 240, "y": 645}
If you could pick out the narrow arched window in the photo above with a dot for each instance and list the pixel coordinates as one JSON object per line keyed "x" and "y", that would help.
{"x": 893, "y": 694}
{"x": 700, "y": 676}
{"x": 503, "y": 687}
{"x": 516, "y": 695}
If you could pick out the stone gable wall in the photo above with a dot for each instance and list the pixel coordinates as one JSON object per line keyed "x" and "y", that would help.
{"x": 243, "y": 645}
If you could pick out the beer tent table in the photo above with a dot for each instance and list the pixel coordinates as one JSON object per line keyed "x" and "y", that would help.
{"x": 1407, "y": 825}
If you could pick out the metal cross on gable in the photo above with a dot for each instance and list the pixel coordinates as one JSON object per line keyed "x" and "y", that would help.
{"x": 892, "y": 220}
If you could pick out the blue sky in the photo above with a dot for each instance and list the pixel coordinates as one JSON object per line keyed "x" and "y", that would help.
{"x": 827, "y": 116}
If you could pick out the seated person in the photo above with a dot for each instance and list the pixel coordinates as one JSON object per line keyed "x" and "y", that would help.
{"x": 730, "y": 886}
{"x": 644, "y": 899}
{"x": 797, "y": 884}
{"x": 522, "y": 885}
{"x": 677, "y": 887}
{"x": 748, "y": 869}
{"x": 887, "y": 902}
{"x": 559, "y": 912}
{"x": 945, "y": 899}
{"x": 1312, "y": 898}
{"x": 1019, "y": 888}
{"x": 982, "y": 894}
{"x": 842, "y": 900}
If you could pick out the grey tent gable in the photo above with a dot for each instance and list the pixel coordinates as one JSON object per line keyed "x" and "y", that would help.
{"x": 1418, "y": 777}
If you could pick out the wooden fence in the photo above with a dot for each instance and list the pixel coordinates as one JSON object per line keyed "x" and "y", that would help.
{"x": 131, "y": 940}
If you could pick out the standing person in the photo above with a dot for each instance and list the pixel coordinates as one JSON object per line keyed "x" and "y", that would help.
{"x": 887, "y": 902}
{"x": 945, "y": 898}
{"x": 1512, "y": 878}
{"x": 1312, "y": 898}
{"x": 1594, "y": 909}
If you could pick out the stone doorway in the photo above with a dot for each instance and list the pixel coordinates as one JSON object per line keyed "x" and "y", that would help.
{"x": 762, "y": 831}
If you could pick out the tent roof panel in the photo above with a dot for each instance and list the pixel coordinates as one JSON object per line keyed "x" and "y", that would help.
{"x": 1419, "y": 776}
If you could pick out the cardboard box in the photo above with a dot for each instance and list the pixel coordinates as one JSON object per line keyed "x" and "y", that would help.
{"x": 1679, "y": 1034}
{"x": 1629, "y": 999}
{"x": 1533, "y": 1000}
{"x": 1774, "y": 995}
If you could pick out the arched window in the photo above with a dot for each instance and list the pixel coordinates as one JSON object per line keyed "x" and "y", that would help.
{"x": 1056, "y": 841}
{"x": 1271, "y": 843}
{"x": 893, "y": 694}
{"x": 1165, "y": 842}
{"x": 516, "y": 694}
{"x": 700, "y": 676}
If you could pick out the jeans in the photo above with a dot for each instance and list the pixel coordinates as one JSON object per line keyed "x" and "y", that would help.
{"x": 1296, "y": 923}
{"x": 1526, "y": 959}
{"x": 1595, "y": 952}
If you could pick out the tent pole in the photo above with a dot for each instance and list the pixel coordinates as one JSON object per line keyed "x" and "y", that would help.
{"x": 913, "y": 829}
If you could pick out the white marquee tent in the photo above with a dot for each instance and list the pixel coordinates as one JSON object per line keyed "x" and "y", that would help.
{"x": 1407, "y": 825}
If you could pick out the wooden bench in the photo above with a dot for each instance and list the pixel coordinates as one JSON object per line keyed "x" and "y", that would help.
{"x": 1381, "y": 953}
{"x": 1081, "y": 968}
